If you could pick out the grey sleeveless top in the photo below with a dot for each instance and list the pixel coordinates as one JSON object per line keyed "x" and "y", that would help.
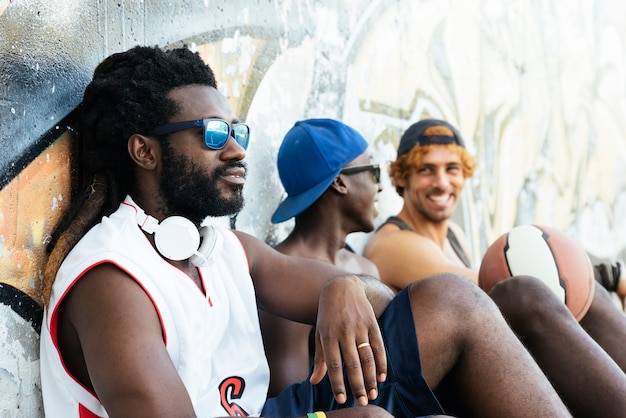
{"x": 456, "y": 246}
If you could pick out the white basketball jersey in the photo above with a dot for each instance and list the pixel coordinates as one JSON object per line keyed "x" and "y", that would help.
{"x": 214, "y": 340}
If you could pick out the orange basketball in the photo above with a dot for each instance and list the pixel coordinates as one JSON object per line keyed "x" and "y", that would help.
{"x": 546, "y": 253}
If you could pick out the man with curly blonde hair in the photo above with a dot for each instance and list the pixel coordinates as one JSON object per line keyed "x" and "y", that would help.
{"x": 429, "y": 174}
{"x": 422, "y": 240}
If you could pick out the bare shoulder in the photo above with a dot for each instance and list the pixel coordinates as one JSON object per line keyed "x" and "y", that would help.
{"x": 380, "y": 237}
{"x": 350, "y": 261}
{"x": 389, "y": 239}
{"x": 403, "y": 256}
{"x": 259, "y": 253}
{"x": 106, "y": 291}
{"x": 249, "y": 242}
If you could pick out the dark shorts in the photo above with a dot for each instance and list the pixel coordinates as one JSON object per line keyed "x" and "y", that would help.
{"x": 404, "y": 393}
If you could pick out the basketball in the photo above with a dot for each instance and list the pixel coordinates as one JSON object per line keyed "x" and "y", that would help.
{"x": 546, "y": 253}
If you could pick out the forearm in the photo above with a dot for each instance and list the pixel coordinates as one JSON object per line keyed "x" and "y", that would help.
{"x": 378, "y": 294}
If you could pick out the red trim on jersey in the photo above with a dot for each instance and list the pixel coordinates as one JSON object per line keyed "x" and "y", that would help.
{"x": 205, "y": 292}
{"x": 130, "y": 206}
{"x": 54, "y": 318}
{"x": 83, "y": 412}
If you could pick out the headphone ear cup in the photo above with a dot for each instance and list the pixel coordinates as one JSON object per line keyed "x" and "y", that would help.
{"x": 177, "y": 238}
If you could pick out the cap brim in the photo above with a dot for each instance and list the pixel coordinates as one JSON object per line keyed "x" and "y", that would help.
{"x": 294, "y": 205}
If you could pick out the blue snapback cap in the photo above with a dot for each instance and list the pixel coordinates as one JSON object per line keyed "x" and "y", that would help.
{"x": 311, "y": 155}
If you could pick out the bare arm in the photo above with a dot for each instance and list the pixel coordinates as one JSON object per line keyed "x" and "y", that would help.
{"x": 295, "y": 287}
{"x": 378, "y": 293}
{"x": 403, "y": 257}
{"x": 111, "y": 338}
{"x": 290, "y": 286}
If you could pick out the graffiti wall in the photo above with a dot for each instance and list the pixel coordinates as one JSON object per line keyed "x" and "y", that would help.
{"x": 538, "y": 89}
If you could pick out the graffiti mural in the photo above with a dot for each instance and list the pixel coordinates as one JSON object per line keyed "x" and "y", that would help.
{"x": 538, "y": 90}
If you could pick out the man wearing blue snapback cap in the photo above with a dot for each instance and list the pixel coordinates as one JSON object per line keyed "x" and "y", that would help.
{"x": 318, "y": 163}
{"x": 327, "y": 173}
{"x": 310, "y": 158}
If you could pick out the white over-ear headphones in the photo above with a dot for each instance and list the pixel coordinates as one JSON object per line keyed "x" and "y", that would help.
{"x": 176, "y": 237}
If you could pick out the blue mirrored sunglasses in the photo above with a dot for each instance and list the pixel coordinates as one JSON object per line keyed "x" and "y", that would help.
{"x": 216, "y": 131}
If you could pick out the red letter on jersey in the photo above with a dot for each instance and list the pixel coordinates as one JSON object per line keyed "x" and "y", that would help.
{"x": 232, "y": 388}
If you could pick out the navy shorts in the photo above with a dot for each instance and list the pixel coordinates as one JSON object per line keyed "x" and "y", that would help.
{"x": 404, "y": 393}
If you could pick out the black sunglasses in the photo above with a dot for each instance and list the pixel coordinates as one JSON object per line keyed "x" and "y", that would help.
{"x": 216, "y": 131}
{"x": 374, "y": 168}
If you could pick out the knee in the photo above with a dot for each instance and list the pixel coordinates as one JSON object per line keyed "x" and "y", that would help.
{"x": 453, "y": 293}
{"x": 373, "y": 411}
{"x": 602, "y": 308}
{"x": 524, "y": 301}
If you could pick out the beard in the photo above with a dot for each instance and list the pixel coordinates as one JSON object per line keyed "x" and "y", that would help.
{"x": 190, "y": 192}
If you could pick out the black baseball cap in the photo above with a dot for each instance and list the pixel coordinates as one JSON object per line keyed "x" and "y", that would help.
{"x": 429, "y": 131}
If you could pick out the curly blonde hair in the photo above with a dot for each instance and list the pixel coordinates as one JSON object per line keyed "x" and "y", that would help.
{"x": 404, "y": 165}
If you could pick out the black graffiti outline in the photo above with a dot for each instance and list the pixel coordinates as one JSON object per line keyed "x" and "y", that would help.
{"x": 22, "y": 304}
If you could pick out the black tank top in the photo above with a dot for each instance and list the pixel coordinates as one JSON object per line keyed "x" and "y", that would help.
{"x": 456, "y": 245}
